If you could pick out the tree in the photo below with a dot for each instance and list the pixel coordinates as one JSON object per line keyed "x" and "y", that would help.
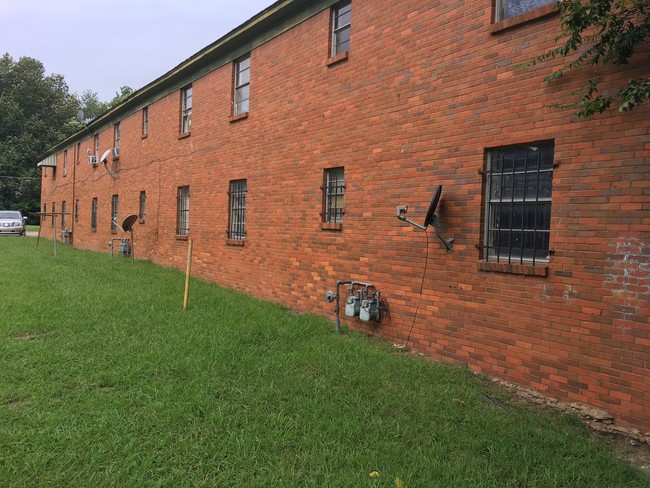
{"x": 604, "y": 33}
{"x": 91, "y": 106}
{"x": 36, "y": 112}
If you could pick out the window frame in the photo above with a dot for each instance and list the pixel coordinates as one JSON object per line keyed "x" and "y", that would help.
{"x": 500, "y": 7}
{"x": 115, "y": 208}
{"x": 237, "y": 193}
{"x": 186, "y": 110}
{"x": 142, "y": 206}
{"x": 498, "y": 199}
{"x": 116, "y": 139}
{"x": 333, "y": 207}
{"x": 53, "y": 213}
{"x": 65, "y": 162}
{"x": 183, "y": 211}
{"x": 76, "y": 210}
{"x": 241, "y": 89}
{"x": 338, "y": 11}
{"x": 63, "y": 210}
{"x": 93, "y": 214}
{"x": 145, "y": 121}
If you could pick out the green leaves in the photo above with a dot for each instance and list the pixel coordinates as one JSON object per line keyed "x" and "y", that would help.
{"x": 605, "y": 33}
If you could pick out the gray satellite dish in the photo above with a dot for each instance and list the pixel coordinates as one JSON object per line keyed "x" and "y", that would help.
{"x": 80, "y": 116}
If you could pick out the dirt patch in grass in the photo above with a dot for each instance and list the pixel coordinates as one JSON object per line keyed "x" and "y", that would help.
{"x": 15, "y": 403}
{"x": 28, "y": 336}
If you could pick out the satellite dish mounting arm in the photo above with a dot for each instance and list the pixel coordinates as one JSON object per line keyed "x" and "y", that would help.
{"x": 430, "y": 219}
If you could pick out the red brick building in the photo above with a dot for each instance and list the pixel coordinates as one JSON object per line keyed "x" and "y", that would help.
{"x": 283, "y": 149}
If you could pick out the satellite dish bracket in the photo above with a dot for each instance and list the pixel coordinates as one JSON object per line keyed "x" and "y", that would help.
{"x": 430, "y": 219}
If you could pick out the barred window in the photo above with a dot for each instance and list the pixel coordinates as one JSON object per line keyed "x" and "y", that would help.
{"x": 333, "y": 190}
{"x": 237, "y": 210}
{"x": 115, "y": 203}
{"x": 183, "y": 212}
{"x": 242, "y": 85}
{"x": 142, "y": 209}
{"x": 93, "y": 214}
{"x": 512, "y": 8}
{"x": 341, "y": 21}
{"x": 186, "y": 109}
{"x": 518, "y": 203}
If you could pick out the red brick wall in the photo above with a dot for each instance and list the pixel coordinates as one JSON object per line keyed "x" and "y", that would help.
{"x": 425, "y": 90}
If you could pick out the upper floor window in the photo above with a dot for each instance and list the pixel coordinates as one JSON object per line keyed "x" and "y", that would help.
{"x": 116, "y": 142}
{"x": 63, "y": 211}
{"x": 186, "y": 110}
{"x": 76, "y": 210}
{"x": 511, "y": 8}
{"x": 115, "y": 204}
{"x": 242, "y": 84}
{"x": 65, "y": 162}
{"x": 142, "y": 209}
{"x": 237, "y": 210}
{"x": 183, "y": 211}
{"x": 78, "y": 153}
{"x": 145, "y": 121}
{"x": 341, "y": 18}
{"x": 518, "y": 203}
{"x": 96, "y": 145}
{"x": 53, "y": 213}
{"x": 333, "y": 190}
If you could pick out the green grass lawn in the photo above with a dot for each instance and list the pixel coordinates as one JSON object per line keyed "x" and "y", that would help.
{"x": 32, "y": 228}
{"x": 106, "y": 381}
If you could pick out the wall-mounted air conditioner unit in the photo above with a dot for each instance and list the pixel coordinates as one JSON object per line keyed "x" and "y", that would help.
{"x": 116, "y": 152}
{"x": 92, "y": 160}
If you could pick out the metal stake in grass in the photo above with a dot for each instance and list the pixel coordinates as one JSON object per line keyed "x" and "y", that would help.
{"x": 187, "y": 274}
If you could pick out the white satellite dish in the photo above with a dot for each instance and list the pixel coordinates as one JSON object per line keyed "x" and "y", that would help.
{"x": 104, "y": 157}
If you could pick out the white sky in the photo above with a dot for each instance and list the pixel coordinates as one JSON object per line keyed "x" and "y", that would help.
{"x": 102, "y": 45}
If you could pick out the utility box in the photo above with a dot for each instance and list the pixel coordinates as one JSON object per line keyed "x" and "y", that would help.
{"x": 352, "y": 306}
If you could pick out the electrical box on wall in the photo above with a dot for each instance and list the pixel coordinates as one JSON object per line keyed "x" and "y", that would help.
{"x": 361, "y": 302}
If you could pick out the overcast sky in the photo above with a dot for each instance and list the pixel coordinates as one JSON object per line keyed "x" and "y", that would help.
{"x": 102, "y": 45}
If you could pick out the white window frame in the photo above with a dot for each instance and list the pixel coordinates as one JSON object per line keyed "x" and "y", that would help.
{"x": 241, "y": 89}
{"x": 186, "y": 110}
{"x": 339, "y": 11}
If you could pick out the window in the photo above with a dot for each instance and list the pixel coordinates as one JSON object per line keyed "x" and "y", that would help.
{"x": 242, "y": 85}
{"x": 518, "y": 203}
{"x": 53, "y": 213}
{"x": 63, "y": 211}
{"x": 183, "y": 214}
{"x": 78, "y": 156}
{"x": 76, "y": 210}
{"x": 54, "y": 172}
{"x": 115, "y": 203}
{"x": 93, "y": 214}
{"x": 333, "y": 196}
{"x": 44, "y": 211}
{"x": 186, "y": 110}
{"x": 96, "y": 145}
{"x": 65, "y": 162}
{"x": 145, "y": 121}
{"x": 341, "y": 17}
{"x": 116, "y": 144}
{"x": 142, "y": 209}
{"x": 511, "y": 8}
{"x": 237, "y": 210}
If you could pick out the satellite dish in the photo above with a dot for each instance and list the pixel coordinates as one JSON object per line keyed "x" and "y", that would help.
{"x": 104, "y": 157}
{"x": 428, "y": 220}
{"x": 128, "y": 222}
{"x": 80, "y": 116}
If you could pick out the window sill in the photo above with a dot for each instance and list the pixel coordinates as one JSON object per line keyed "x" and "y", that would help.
{"x": 115, "y": 158}
{"x": 140, "y": 221}
{"x": 331, "y": 226}
{"x": 143, "y": 137}
{"x": 535, "y": 14}
{"x": 182, "y": 237}
{"x": 514, "y": 268}
{"x": 339, "y": 58}
{"x": 238, "y": 117}
{"x": 113, "y": 232}
{"x": 93, "y": 230}
{"x": 184, "y": 135}
{"x": 236, "y": 242}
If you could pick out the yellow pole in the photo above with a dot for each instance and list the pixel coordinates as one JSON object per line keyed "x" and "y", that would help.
{"x": 187, "y": 274}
